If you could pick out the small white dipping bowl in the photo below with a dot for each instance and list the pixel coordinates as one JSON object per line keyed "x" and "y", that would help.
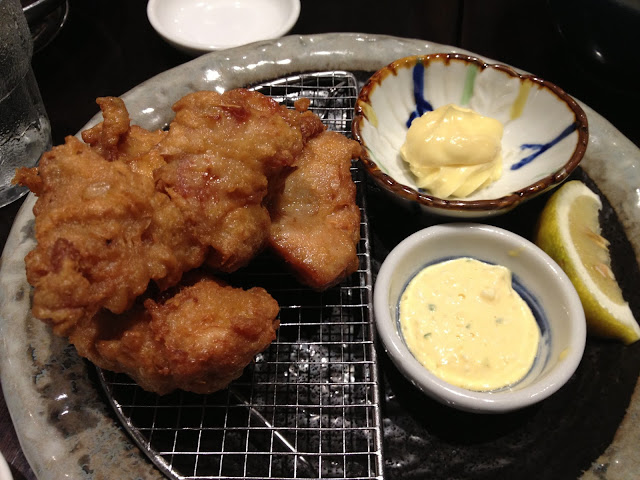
{"x": 545, "y": 130}
{"x": 5, "y": 471}
{"x": 197, "y": 26}
{"x": 547, "y": 290}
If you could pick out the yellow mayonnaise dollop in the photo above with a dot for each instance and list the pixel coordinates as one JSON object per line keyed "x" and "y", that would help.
{"x": 454, "y": 151}
{"x": 463, "y": 321}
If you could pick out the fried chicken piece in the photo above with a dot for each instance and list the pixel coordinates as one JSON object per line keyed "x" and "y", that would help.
{"x": 116, "y": 139}
{"x": 134, "y": 206}
{"x": 221, "y": 202}
{"x": 107, "y": 136}
{"x": 199, "y": 340}
{"x": 242, "y": 125}
{"x": 221, "y": 152}
{"x": 94, "y": 245}
{"x": 315, "y": 219}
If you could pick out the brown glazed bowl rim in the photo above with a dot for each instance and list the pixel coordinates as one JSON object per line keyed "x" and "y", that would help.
{"x": 495, "y": 205}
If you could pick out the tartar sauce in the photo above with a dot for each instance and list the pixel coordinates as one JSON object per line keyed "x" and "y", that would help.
{"x": 454, "y": 151}
{"x": 464, "y": 322}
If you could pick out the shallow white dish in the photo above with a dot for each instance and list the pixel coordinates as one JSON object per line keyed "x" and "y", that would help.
{"x": 197, "y": 27}
{"x": 545, "y": 130}
{"x": 5, "y": 471}
{"x": 552, "y": 298}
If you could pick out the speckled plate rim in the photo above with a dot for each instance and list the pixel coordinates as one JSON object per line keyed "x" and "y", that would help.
{"x": 41, "y": 374}
{"x": 504, "y": 203}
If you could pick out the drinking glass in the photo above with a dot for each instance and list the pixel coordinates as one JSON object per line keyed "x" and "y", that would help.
{"x": 25, "y": 132}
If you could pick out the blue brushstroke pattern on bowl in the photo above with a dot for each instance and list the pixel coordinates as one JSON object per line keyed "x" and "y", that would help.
{"x": 545, "y": 130}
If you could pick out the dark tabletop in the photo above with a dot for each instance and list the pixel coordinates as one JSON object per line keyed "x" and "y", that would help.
{"x": 106, "y": 47}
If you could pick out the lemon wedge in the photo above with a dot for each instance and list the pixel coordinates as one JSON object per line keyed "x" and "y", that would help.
{"x": 569, "y": 231}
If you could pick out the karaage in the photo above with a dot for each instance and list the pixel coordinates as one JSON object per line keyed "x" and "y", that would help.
{"x": 131, "y": 208}
{"x": 221, "y": 152}
{"x": 116, "y": 139}
{"x": 198, "y": 340}
{"x": 315, "y": 220}
{"x": 94, "y": 248}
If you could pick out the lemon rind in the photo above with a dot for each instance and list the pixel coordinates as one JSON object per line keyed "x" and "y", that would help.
{"x": 622, "y": 312}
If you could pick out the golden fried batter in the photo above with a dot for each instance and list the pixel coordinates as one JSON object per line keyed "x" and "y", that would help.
{"x": 130, "y": 207}
{"x": 198, "y": 340}
{"x": 94, "y": 246}
{"x": 116, "y": 139}
{"x": 221, "y": 152}
{"x": 315, "y": 219}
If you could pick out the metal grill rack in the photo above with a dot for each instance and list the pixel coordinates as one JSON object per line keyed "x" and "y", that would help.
{"x": 308, "y": 407}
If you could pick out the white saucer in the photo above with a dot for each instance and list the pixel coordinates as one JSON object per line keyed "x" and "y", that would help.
{"x": 197, "y": 27}
{"x": 5, "y": 471}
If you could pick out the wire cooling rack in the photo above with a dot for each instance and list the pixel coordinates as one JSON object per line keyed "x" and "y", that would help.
{"x": 308, "y": 408}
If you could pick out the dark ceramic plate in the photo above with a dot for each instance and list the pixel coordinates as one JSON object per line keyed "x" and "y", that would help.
{"x": 559, "y": 438}
{"x": 591, "y": 425}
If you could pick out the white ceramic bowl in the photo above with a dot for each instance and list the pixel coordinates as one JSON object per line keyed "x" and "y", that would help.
{"x": 5, "y": 471}
{"x": 541, "y": 123}
{"x": 197, "y": 27}
{"x": 551, "y": 295}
